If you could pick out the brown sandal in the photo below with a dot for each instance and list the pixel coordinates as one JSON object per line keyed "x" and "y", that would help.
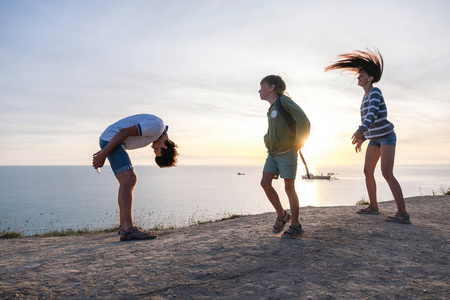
{"x": 368, "y": 211}
{"x": 399, "y": 217}
{"x": 279, "y": 228}
{"x": 136, "y": 233}
{"x": 293, "y": 232}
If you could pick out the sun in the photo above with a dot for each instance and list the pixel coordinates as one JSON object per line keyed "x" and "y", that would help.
{"x": 328, "y": 139}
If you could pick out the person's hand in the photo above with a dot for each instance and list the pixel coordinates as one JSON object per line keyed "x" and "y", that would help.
{"x": 356, "y": 137}
{"x": 98, "y": 160}
{"x": 358, "y": 146}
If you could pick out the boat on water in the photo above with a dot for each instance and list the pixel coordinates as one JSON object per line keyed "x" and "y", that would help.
{"x": 241, "y": 173}
{"x": 321, "y": 176}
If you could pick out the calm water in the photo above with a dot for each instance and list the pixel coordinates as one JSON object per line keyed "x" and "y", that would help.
{"x": 41, "y": 199}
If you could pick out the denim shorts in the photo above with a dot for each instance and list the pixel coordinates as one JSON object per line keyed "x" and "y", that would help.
{"x": 284, "y": 165}
{"x": 118, "y": 158}
{"x": 389, "y": 139}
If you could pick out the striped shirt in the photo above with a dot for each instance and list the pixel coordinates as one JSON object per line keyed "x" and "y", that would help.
{"x": 374, "y": 116}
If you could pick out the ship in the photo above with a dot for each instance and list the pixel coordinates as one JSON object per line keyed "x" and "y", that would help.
{"x": 321, "y": 176}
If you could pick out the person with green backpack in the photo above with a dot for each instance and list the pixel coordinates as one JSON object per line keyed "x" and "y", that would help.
{"x": 288, "y": 130}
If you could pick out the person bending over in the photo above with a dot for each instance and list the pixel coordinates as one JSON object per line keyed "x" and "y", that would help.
{"x": 133, "y": 132}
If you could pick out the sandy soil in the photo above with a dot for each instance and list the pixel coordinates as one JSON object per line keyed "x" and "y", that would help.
{"x": 342, "y": 256}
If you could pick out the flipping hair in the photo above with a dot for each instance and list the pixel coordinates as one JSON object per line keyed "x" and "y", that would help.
{"x": 168, "y": 156}
{"x": 277, "y": 81}
{"x": 370, "y": 61}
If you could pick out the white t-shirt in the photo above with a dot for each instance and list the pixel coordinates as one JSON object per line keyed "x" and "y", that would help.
{"x": 150, "y": 128}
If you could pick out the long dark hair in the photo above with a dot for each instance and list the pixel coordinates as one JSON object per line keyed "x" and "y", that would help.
{"x": 370, "y": 61}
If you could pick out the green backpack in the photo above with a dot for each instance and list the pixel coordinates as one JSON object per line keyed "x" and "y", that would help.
{"x": 291, "y": 123}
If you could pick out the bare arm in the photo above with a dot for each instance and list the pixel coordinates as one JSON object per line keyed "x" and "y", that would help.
{"x": 356, "y": 137}
{"x": 99, "y": 158}
{"x": 358, "y": 145}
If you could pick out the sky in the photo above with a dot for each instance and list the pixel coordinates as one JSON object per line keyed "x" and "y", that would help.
{"x": 68, "y": 69}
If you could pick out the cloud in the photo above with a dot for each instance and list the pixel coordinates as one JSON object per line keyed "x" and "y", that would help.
{"x": 69, "y": 69}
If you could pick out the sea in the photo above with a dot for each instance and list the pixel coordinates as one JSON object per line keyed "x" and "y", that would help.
{"x": 41, "y": 199}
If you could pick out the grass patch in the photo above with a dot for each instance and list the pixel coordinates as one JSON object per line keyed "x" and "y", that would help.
{"x": 445, "y": 191}
{"x": 227, "y": 217}
{"x": 60, "y": 232}
{"x": 363, "y": 201}
{"x": 442, "y": 191}
{"x": 10, "y": 235}
{"x": 71, "y": 232}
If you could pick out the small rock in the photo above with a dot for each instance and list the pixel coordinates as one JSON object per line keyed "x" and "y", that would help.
{"x": 374, "y": 232}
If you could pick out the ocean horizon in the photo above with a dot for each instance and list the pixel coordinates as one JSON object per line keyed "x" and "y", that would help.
{"x": 39, "y": 199}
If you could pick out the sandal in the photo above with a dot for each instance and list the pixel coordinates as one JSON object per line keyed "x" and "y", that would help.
{"x": 120, "y": 231}
{"x": 293, "y": 232}
{"x": 136, "y": 233}
{"x": 369, "y": 211}
{"x": 279, "y": 228}
{"x": 399, "y": 217}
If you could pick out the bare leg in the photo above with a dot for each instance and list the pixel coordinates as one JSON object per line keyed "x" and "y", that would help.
{"x": 372, "y": 157}
{"x": 387, "y": 169}
{"x": 266, "y": 183}
{"x": 289, "y": 186}
{"x": 127, "y": 182}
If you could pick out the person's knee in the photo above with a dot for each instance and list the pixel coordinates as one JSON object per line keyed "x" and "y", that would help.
{"x": 128, "y": 178}
{"x": 368, "y": 172}
{"x": 289, "y": 187}
{"x": 387, "y": 174}
{"x": 265, "y": 184}
{"x": 290, "y": 191}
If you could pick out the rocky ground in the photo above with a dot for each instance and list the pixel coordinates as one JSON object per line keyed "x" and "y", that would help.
{"x": 342, "y": 256}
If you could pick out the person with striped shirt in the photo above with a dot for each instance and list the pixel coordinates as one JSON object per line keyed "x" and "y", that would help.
{"x": 375, "y": 127}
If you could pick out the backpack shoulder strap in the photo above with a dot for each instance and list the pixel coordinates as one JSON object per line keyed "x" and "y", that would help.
{"x": 286, "y": 116}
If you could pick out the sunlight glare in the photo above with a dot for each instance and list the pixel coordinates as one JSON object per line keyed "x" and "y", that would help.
{"x": 307, "y": 192}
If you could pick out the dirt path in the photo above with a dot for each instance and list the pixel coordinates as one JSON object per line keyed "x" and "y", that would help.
{"x": 342, "y": 256}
